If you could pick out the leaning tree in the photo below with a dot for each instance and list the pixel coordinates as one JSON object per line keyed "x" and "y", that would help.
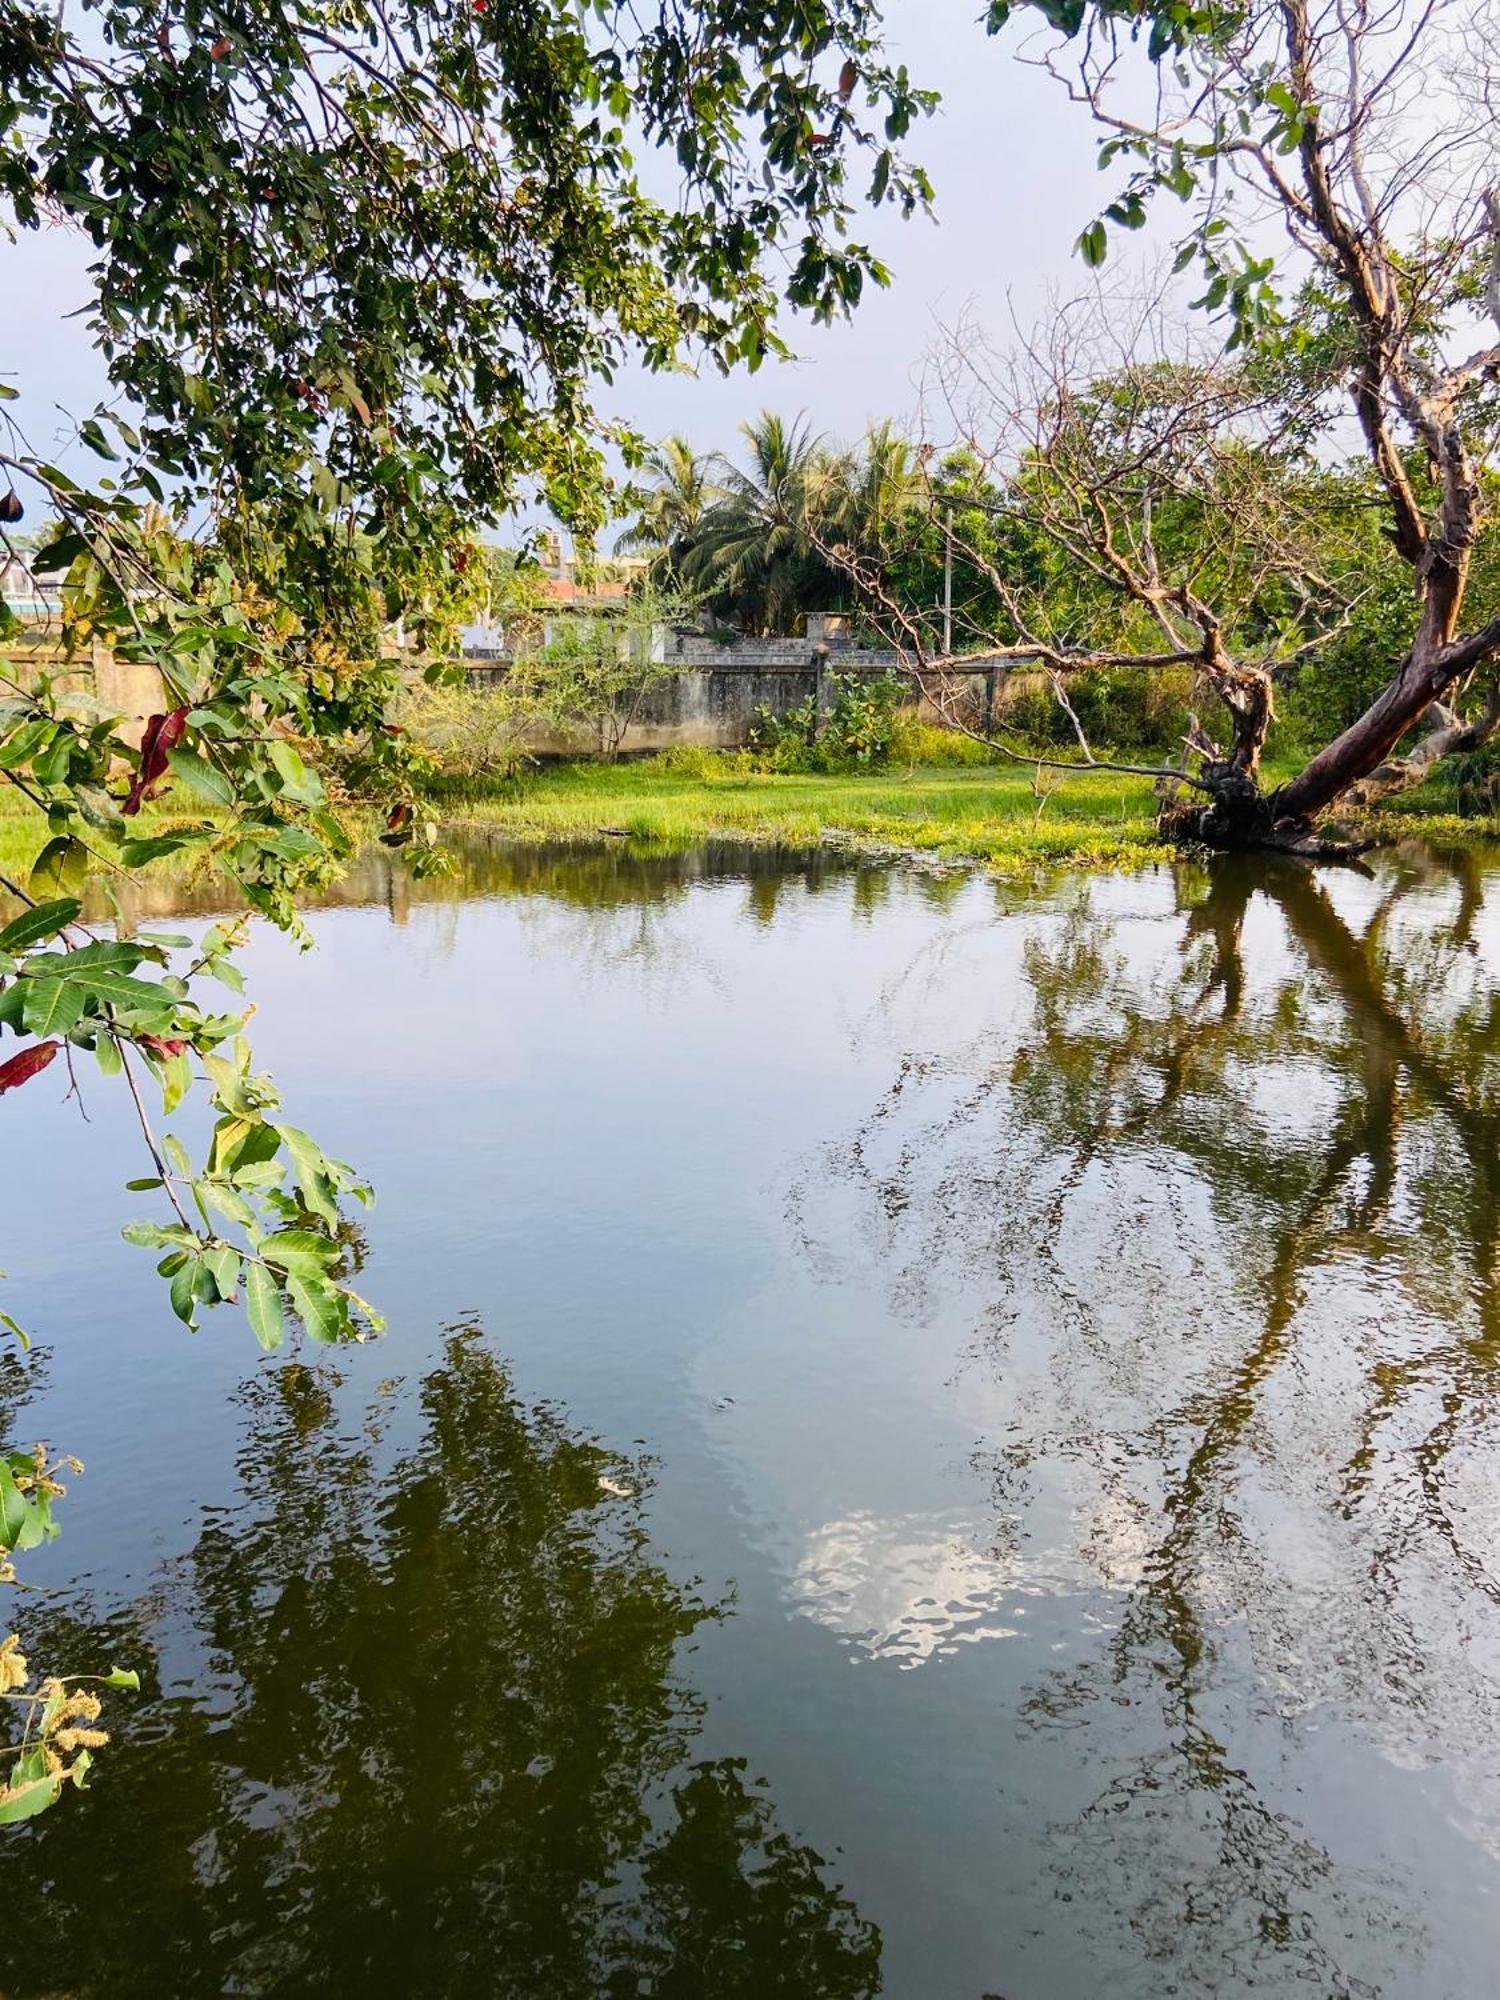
{"x": 1366, "y": 138}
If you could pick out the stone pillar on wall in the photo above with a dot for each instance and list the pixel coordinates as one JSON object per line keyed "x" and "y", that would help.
{"x": 127, "y": 688}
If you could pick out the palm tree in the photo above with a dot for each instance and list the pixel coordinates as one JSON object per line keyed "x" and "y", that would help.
{"x": 871, "y": 495}
{"x": 748, "y": 540}
{"x": 672, "y": 509}
{"x": 756, "y": 557}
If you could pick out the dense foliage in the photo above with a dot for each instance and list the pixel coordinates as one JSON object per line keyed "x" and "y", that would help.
{"x": 356, "y": 273}
{"x": 854, "y": 727}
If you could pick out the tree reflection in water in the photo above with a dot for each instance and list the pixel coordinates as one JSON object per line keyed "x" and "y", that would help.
{"x": 432, "y": 1741}
{"x": 1233, "y": 1181}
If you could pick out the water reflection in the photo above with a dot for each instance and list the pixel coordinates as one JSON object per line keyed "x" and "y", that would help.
{"x": 1229, "y": 1176}
{"x": 909, "y": 1589}
{"x": 419, "y": 1727}
{"x": 1128, "y": 1369}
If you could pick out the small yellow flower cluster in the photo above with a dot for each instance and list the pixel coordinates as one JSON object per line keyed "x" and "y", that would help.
{"x": 66, "y": 1728}
{"x": 43, "y": 1478}
{"x": 12, "y": 1664}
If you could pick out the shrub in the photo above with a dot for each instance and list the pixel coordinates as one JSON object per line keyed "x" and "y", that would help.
{"x": 856, "y": 730}
{"x": 696, "y": 760}
{"x": 926, "y": 743}
{"x": 463, "y": 732}
{"x": 1117, "y": 709}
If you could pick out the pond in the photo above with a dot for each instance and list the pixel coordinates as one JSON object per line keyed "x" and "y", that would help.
{"x": 935, "y": 1439}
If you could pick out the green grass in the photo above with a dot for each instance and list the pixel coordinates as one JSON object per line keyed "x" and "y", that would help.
{"x": 989, "y": 813}
{"x": 23, "y": 833}
{"x": 959, "y": 809}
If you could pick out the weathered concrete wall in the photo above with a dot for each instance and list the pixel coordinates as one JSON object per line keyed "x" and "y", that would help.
{"x": 128, "y": 688}
{"x": 711, "y": 701}
{"x": 119, "y": 687}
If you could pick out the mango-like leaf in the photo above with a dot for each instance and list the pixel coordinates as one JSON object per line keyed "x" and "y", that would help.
{"x": 298, "y": 1249}
{"x": 223, "y": 1266}
{"x": 36, "y": 925}
{"x": 310, "y": 1168}
{"x": 60, "y": 868}
{"x": 263, "y": 1307}
{"x": 200, "y": 777}
{"x": 53, "y": 1005}
{"x": 318, "y": 1305}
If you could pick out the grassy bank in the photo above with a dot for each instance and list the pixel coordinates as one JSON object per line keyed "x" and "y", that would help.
{"x": 992, "y": 813}
{"x": 961, "y": 809}
{"x": 945, "y": 800}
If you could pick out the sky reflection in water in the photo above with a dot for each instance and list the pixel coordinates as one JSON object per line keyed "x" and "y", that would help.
{"x": 1045, "y": 1344}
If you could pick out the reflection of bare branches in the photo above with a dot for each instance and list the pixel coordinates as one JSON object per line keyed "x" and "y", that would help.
{"x": 1231, "y": 1183}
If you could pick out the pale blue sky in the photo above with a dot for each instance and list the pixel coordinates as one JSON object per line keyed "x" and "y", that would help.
{"x": 1013, "y": 164}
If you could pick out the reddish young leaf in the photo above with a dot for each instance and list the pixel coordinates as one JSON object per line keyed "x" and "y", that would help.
{"x": 162, "y": 733}
{"x": 29, "y": 1063}
{"x": 398, "y": 815}
{"x": 164, "y": 1046}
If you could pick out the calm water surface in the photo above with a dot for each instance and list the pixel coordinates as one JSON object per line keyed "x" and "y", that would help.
{"x": 935, "y": 1440}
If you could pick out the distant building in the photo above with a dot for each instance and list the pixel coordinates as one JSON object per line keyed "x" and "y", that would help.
{"x": 569, "y": 589}
{"x": 32, "y": 595}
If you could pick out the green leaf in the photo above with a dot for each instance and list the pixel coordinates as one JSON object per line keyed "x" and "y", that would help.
{"x": 183, "y": 1290}
{"x": 28, "y": 1795}
{"x": 263, "y": 1307}
{"x": 240, "y": 1143}
{"x": 89, "y": 433}
{"x": 156, "y": 1235}
{"x": 302, "y": 1249}
{"x": 13, "y": 1510}
{"x": 200, "y": 776}
{"x": 21, "y": 744}
{"x": 17, "y": 1329}
{"x": 297, "y": 781}
{"x": 228, "y": 1084}
{"x": 227, "y": 974}
{"x": 228, "y": 1201}
{"x": 136, "y": 997}
{"x": 25, "y": 1518}
{"x": 98, "y": 808}
{"x": 1093, "y": 245}
{"x": 176, "y": 1081}
{"x": 60, "y": 868}
{"x": 53, "y": 1006}
{"x": 45, "y": 921}
{"x": 121, "y": 1677}
{"x": 310, "y": 1167}
{"x": 136, "y": 853}
{"x": 223, "y": 1266}
{"x": 107, "y": 1055}
{"x": 319, "y": 1307}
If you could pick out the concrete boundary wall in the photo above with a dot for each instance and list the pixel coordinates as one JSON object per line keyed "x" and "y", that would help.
{"x": 712, "y": 698}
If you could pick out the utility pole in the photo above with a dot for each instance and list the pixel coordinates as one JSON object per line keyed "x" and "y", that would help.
{"x": 947, "y": 582}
